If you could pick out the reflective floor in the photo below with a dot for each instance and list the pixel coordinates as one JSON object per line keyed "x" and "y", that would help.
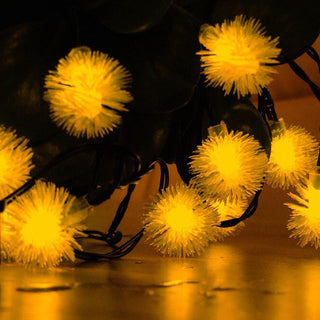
{"x": 247, "y": 277}
{"x": 258, "y": 274}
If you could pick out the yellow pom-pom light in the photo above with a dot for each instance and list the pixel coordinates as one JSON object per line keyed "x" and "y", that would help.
{"x": 293, "y": 154}
{"x": 304, "y": 222}
{"x": 44, "y": 221}
{"x": 178, "y": 223}
{"x": 6, "y": 237}
{"x": 87, "y": 93}
{"x": 228, "y": 209}
{"x": 15, "y": 161}
{"x": 238, "y": 55}
{"x": 229, "y": 165}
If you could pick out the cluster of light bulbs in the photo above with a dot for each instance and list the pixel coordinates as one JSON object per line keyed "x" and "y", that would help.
{"x": 228, "y": 168}
{"x": 88, "y": 91}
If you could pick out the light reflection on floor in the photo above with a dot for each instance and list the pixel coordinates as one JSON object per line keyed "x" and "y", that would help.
{"x": 229, "y": 282}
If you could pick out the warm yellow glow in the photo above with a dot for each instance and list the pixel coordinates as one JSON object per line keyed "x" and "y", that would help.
{"x": 228, "y": 209}
{"x": 43, "y": 223}
{"x": 181, "y": 218}
{"x": 41, "y": 229}
{"x": 178, "y": 222}
{"x": 283, "y": 153}
{"x": 227, "y": 159}
{"x": 6, "y": 237}
{"x": 304, "y": 221}
{"x": 294, "y": 154}
{"x": 87, "y": 93}
{"x": 15, "y": 161}
{"x": 238, "y": 55}
{"x": 229, "y": 165}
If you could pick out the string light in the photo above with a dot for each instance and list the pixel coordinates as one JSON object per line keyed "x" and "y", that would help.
{"x": 15, "y": 161}
{"x": 228, "y": 165}
{"x": 228, "y": 209}
{"x": 87, "y": 93}
{"x": 6, "y": 237}
{"x": 178, "y": 222}
{"x": 43, "y": 223}
{"x": 304, "y": 222}
{"x": 293, "y": 155}
{"x": 238, "y": 55}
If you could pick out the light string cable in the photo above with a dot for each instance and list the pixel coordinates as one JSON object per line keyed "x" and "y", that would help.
{"x": 266, "y": 108}
{"x": 64, "y": 156}
{"x": 59, "y": 159}
{"x": 312, "y": 53}
{"x": 129, "y": 245}
{"x": 113, "y": 236}
{"x": 268, "y": 112}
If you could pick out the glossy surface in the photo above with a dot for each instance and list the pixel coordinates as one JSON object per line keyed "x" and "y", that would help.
{"x": 258, "y": 274}
{"x": 249, "y": 277}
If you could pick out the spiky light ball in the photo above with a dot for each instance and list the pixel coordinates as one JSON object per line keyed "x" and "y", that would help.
{"x": 44, "y": 221}
{"x": 87, "y": 93}
{"x": 228, "y": 209}
{"x": 238, "y": 55}
{"x": 294, "y": 154}
{"x": 304, "y": 222}
{"x": 6, "y": 237}
{"x": 15, "y": 161}
{"x": 178, "y": 222}
{"x": 229, "y": 165}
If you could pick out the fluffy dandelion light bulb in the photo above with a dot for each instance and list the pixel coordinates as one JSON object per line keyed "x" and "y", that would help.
{"x": 304, "y": 222}
{"x": 238, "y": 55}
{"x": 87, "y": 93}
{"x": 15, "y": 161}
{"x": 44, "y": 221}
{"x": 293, "y": 154}
{"x": 6, "y": 237}
{"x": 228, "y": 209}
{"x": 178, "y": 223}
{"x": 228, "y": 165}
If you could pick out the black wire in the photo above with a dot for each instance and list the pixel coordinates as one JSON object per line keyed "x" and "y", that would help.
{"x": 299, "y": 72}
{"x": 164, "y": 178}
{"x": 121, "y": 210}
{"x": 266, "y": 106}
{"x": 248, "y": 213}
{"x": 60, "y": 158}
{"x": 123, "y": 250}
{"x": 129, "y": 245}
{"x": 312, "y": 53}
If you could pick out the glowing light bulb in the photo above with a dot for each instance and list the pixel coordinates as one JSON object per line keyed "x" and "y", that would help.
{"x": 88, "y": 92}
{"x": 294, "y": 154}
{"x": 229, "y": 165}
{"x": 178, "y": 222}
{"x": 43, "y": 222}
{"x": 238, "y": 55}
{"x": 304, "y": 222}
{"x": 15, "y": 161}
